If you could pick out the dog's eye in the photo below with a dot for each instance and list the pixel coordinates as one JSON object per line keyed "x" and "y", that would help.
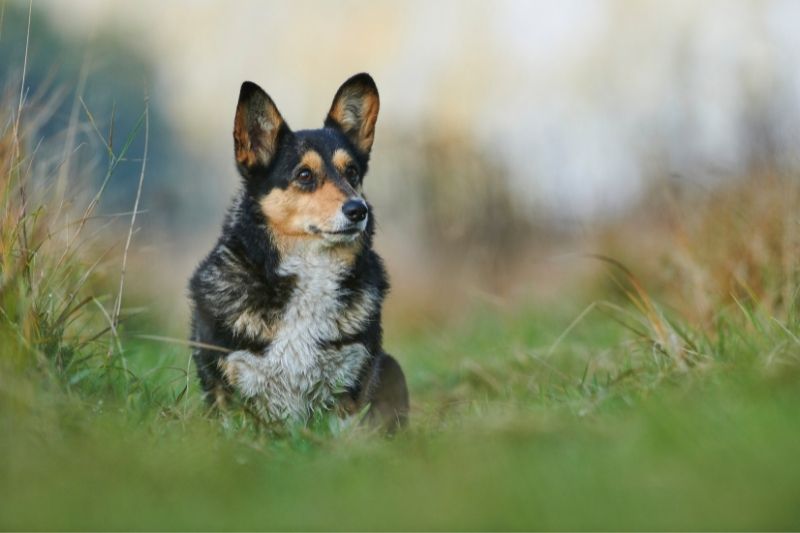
{"x": 351, "y": 172}
{"x": 304, "y": 176}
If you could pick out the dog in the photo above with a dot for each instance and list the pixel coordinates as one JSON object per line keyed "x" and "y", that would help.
{"x": 292, "y": 291}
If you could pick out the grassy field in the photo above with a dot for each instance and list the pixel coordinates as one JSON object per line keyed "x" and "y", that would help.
{"x": 664, "y": 401}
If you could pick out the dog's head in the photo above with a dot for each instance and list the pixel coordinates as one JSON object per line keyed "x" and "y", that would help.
{"x": 308, "y": 183}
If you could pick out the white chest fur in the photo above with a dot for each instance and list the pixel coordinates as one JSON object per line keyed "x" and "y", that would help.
{"x": 296, "y": 373}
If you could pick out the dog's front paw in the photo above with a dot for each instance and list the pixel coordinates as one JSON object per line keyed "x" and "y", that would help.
{"x": 241, "y": 371}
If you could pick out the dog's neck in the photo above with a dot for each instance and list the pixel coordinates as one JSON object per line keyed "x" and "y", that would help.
{"x": 314, "y": 253}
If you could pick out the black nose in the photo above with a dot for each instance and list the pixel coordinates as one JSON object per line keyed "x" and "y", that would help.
{"x": 355, "y": 210}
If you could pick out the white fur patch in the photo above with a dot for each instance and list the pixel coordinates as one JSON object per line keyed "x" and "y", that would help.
{"x": 294, "y": 375}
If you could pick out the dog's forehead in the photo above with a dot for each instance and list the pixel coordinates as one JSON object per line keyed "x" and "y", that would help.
{"x": 325, "y": 141}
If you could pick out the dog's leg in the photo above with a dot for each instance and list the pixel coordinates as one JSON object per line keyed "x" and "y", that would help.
{"x": 387, "y": 394}
{"x": 241, "y": 371}
{"x": 211, "y": 380}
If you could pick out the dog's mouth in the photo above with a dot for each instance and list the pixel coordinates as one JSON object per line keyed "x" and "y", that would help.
{"x": 345, "y": 234}
{"x": 346, "y": 231}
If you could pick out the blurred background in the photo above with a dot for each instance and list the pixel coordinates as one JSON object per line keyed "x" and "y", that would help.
{"x": 512, "y": 135}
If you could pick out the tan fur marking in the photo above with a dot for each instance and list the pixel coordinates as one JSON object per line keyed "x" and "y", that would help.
{"x": 242, "y": 145}
{"x": 255, "y": 132}
{"x": 253, "y": 326}
{"x": 359, "y": 126}
{"x": 291, "y": 211}
{"x": 341, "y": 159}
{"x": 313, "y": 161}
{"x": 345, "y": 119}
{"x": 370, "y": 116}
{"x": 230, "y": 372}
{"x": 280, "y": 207}
{"x": 322, "y": 204}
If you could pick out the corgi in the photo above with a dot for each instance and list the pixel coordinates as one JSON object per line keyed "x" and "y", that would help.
{"x": 292, "y": 291}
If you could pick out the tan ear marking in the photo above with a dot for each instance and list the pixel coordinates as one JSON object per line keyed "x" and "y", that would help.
{"x": 355, "y": 110}
{"x": 256, "y": 127}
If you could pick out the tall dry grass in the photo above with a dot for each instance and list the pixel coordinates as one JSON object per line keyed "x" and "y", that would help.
{"x": 59, "y": 256}
{"x": 723, "y": 265}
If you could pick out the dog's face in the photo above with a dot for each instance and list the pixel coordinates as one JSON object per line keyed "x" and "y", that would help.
{"x": 308, "y": 183}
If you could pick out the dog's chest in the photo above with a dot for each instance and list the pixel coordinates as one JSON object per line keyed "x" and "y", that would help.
{"x": 304, "y": 365}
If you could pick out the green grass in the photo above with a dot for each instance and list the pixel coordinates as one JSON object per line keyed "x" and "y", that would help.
{"x": 501, "y": 438}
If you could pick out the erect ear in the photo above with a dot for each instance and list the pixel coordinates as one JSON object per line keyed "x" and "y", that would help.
{"x": 256, "y": 128}
{"x": 355, "y": 110}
